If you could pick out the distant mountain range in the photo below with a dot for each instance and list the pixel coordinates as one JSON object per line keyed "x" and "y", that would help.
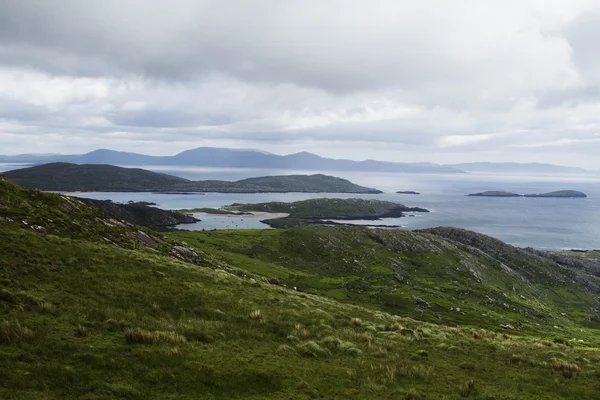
{"x": 246, "y": 158}
{"x": 512, "y": 168}
{"x": 232, "y": 158}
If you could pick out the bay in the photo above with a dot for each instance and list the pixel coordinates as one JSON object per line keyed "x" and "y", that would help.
{"x": 544, "y": 223}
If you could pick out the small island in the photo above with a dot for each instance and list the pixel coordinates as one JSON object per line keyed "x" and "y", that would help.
{"x": 557, "y": 194}
{"x": 560, "y": 194}
{"x": 407, "y": 192}
{"x": 495, "y": 193}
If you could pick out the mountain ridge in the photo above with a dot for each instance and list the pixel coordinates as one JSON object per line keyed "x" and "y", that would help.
{"x": 232, "y": 158}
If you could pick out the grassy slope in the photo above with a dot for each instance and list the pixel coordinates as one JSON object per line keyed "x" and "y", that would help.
{"x": 390, "y": 269}
{"x": 68, "y": 306}
{"x": 81, "y": 318}
{"x": 91, "y": 177}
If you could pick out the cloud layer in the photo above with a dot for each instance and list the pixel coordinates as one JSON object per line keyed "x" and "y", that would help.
{"x": 416, "y": 81}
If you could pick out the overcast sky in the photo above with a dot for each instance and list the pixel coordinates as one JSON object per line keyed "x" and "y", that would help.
{"x": 439, "y": 81}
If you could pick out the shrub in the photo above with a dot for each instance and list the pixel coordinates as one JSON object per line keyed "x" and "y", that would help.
{"x": 140, "y": 336}
{"x": 14, "y": 332}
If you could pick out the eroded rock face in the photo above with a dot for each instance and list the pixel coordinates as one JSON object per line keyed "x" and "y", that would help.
{"x": 185, "y": 254}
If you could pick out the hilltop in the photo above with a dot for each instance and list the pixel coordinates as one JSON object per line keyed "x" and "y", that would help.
{"x": 108, "y": 178}
{"x": 92, "y": 307}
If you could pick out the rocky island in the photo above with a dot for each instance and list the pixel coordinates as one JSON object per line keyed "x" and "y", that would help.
{"x": 560, "y": 194}
{"x": 556, "y": 194}
{"x": 495, "y": 193}
{"x": 407, "y": 192}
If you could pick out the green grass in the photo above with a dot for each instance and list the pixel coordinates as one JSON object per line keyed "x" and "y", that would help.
{"x": 86, "y": 318}
{"x": 394, "y": 270}
{"x": 183, "y": 334}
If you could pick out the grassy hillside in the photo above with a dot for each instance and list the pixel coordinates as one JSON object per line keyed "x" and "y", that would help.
{"x": 107, "y": 178}
{"x": 86, "y": 318}
{"x": 91, "y": 177}
{"x": 448, "y": 276}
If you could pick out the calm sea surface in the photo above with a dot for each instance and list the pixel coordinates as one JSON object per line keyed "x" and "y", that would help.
{"x": 535, "y": 222}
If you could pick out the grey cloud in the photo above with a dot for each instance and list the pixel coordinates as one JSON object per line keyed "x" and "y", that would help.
{"x": 20, "y": 111}
{"x": 166, "y": 119}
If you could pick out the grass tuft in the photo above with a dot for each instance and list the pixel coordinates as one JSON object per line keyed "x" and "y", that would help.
{"x": 256, "y": 315}
{"x": 140, "y": 336}
{"x": 14, "y": 332}
{"x": 566, "y": 368}
{"x": 467, "y": 388}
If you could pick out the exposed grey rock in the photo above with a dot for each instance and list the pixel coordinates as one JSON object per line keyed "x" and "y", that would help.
{"x": 420, "y": 302}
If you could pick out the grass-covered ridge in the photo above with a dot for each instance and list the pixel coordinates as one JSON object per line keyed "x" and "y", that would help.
{"x": 86, "y": 318}
{"x": 447, "y": 276}
{"x": 108, "y": 178}
{"x": 314, "y": 211}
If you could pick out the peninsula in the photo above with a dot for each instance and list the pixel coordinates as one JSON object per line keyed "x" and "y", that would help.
{"x": 66, "y": 177}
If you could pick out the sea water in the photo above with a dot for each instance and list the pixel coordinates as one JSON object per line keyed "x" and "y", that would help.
{"x": 544, "y": 223}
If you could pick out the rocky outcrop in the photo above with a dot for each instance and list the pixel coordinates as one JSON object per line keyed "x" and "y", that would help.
{"x": 141, "y": 214}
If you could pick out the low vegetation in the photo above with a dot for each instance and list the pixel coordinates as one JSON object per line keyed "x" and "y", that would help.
{"x": 82, "y": 317}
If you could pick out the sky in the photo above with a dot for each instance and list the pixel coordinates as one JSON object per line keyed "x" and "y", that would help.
{"x": 407, "y": 81}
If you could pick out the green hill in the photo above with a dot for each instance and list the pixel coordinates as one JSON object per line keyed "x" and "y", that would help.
{"x": 92, "y": 308}
{"x": 67, "y": 177}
